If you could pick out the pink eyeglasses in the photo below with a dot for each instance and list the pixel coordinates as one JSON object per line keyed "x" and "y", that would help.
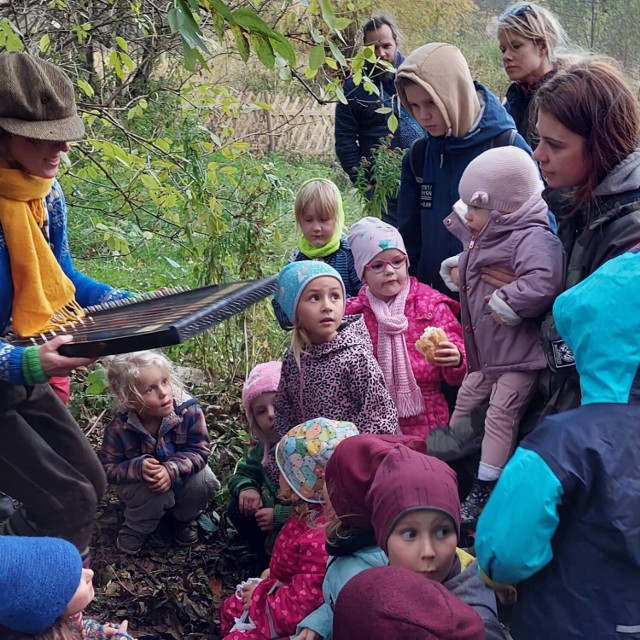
{"x": 378, "y": 266}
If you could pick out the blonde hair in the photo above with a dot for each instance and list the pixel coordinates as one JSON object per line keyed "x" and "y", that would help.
{"x": 123, "y": 371}
{"x": 322, "y": 193}
{"x": 336, "y": 531}
{"x": 531, "y": 22}
{"x": 300, "y": 342}
{"x": 306, "y": 511}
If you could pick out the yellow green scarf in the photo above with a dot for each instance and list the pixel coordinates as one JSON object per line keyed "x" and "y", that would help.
{"x": 44, "y": 297}
{"x": 333, "y": 245}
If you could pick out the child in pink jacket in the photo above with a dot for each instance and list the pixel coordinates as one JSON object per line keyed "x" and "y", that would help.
{"x": 291, "y": 588}
{"x": 397, "y": 309}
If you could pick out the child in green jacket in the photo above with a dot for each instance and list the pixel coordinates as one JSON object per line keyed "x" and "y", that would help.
{"x": 255, "y": 511}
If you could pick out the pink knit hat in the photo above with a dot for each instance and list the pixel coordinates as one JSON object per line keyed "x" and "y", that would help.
{"x": 500, "y": 179}
{"x": 408, "y": 481}
{"x": 368, "y": 237}
{"x": 263, "y": 378}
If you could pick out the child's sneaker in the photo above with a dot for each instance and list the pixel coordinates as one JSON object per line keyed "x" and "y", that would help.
{"x": 186, "y": 533}
{"x": 130, "y": 541}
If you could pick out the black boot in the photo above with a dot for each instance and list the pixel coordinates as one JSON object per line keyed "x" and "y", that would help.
{"x": 456, "y": 441}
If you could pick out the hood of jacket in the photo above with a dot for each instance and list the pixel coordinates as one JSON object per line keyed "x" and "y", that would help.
{"x": 599, "y": 319}
{"x": 624, "y": 176}
{"x": 442, "y": 71}
{"x": 533, "y": 213}
{"x": 352, "y": 332}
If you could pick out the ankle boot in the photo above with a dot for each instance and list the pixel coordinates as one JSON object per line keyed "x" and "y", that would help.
{"x": 456, "y": 441}
{"x": 472, "y": 507}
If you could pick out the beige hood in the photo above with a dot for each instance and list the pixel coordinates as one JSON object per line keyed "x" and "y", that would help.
{"x": 442, "y": 71}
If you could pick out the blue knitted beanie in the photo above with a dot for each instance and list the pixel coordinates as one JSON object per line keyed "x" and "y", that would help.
{"x": 294, "y": 277}
{"x": 38, "y": 578}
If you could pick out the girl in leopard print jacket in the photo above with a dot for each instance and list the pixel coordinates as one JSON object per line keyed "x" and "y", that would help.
{"x": 330, "y": 369}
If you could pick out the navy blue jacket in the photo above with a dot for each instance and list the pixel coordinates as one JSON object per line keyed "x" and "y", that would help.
{"x": 423, "y": 207}
{"x": 563, "y": 523}
{"x": 359, "y": 129}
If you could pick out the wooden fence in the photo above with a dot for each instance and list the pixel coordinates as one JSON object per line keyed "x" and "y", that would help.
{"x": 296, "y": 124}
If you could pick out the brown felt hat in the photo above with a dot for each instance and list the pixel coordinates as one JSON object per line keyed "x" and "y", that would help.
{"x": 36, "y": 99}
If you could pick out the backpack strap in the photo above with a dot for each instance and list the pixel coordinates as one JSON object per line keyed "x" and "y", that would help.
{"x": 504, "y": 138}
{"x": 419, "y": 148}
{"x": 417, "y": 154}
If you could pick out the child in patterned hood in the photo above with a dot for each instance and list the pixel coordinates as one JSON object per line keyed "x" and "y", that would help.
{"x": 291, "y": 587}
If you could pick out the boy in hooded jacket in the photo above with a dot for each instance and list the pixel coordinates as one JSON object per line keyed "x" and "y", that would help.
{"x": 461, "y": 119}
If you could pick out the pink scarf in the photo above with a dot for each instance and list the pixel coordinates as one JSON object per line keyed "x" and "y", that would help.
{"x": 393, "y": 356}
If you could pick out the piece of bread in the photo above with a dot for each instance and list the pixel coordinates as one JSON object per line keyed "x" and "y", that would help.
{"x": 429, "y": 341}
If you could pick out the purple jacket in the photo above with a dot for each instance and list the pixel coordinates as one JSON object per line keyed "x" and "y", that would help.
{"x": 520, "y": 242}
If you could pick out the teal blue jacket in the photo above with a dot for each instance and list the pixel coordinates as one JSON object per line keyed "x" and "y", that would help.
{"x": 339, "y": 571}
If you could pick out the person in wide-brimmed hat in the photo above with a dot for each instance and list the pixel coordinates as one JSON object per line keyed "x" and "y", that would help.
{"x": 45, "y": 461}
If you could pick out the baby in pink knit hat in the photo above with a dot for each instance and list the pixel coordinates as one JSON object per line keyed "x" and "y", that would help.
{"x": 502, "y": 221}
{"x": 397, "y": 309}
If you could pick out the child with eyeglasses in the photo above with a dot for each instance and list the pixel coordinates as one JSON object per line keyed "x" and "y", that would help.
{"x": 397, "y": 309}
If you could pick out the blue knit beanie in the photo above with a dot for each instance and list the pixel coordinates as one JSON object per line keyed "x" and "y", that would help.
{"x": 38, "y": 578}
{"x": 294, "y": 277}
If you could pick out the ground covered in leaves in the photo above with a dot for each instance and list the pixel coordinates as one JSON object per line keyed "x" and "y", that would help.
{"x": 167, "y": 591}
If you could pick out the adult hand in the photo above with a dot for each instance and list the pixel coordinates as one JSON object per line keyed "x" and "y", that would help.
{"x": 497, "y": 277}
{"x": 53, "y": 364}
{"x": 249, "y": 502}
{"x": 264, "y": 518}
{"x": 447, "y": 355}
{"x": 454, "y": 274}
{"x": 307, "y": 634}
{"x": 247, "y": 592}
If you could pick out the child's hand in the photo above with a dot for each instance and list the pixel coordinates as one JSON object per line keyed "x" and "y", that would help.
{"x": 111, "y": 630}
{"x": 247, "y": 592}
{"x": 149, "y": 469}
{"x": 447, "y": 355}
{"x": 156, "y": 475}
{"x": 307, "y": 634}
{"x": 498, "y": 319}
{"x": 265, "y": 575}
{"x": 264, "y": 518}
{"x": 507, "y": 596}
{"x": 249, "y": 501}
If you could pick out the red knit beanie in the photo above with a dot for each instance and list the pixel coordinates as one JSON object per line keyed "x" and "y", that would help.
{"x": 351, "y": 469}
{"x": 399, "y": 604}
{"x": 407, "y": 481}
